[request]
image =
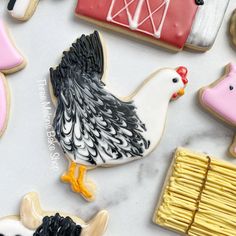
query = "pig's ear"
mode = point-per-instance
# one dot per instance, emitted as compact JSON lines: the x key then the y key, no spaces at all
{"x":31,"y":213}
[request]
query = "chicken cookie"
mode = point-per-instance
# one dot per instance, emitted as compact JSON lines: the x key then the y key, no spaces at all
{"x":198,"y":196}
{"x":11,"y":59}
{"x":94,"y":127}
{"x":22,"y":9}
{"x":34,"y":221}
{"x":220,"y":99}
{"x":169,"y":23}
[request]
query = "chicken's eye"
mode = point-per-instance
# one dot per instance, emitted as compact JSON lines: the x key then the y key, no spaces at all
{"x":231,"y":87}
{"x":175,"y":80}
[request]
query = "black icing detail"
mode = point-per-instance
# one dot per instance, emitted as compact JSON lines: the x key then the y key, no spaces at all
{"x":100,"y":127}
{"x":175,"y":80}
{"x":11,"y":5}
{"x":199,"y":2}
{"x":58,"y":226}
{"x":231,"y":87}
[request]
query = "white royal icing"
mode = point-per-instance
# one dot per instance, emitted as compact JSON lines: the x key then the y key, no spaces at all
{"x":11,"y":227}
{"x":152,"y":104}
{"x":20,"y":8}
{"x":207,"y":23}
{"x":134,"y":21}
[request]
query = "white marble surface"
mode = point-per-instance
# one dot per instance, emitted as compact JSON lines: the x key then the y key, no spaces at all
{"x":129,"y":192}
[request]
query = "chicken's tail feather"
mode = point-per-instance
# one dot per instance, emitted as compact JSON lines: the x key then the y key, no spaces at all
{"x":84,"y":57}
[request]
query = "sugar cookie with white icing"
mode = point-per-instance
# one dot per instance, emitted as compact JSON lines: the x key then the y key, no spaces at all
{"x":95,"y":127}
{"x":32,"y":220}
{"x":219,"y":98}
{"x":11,"y":60}
{"x":22,"y":9}
{"x":173,"y":24}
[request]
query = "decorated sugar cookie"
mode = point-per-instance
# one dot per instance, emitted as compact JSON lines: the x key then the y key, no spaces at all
{"x":11,"y":59}
{"x":169,"y":23}
{"x":4,"y":104}
{"x":94,"y":127}
{"x":198,"y":196}
{"x":34,"y":221}
{"x":220,"y":99}
{"x":233,"y":27}
{"x":22,"y":9}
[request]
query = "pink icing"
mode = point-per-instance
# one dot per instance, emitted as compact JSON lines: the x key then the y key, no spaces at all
{"x":9,"y":56}
{"x":3,"y":103}
{"x":222,"y":97}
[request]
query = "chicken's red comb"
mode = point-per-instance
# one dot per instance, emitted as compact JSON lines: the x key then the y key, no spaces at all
{"x":183,"y":71}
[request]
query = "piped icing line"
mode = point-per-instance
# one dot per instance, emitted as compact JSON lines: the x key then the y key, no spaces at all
{"x":10,"y":60}
{"x":134,"y":22}
{"x":198,"y":196}
{"x":160,"y":20}
{"x":4,"y":100}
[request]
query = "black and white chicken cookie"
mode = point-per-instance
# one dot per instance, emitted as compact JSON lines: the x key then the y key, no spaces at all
{"x":22,"y":9}
{"x":32,"y":220}
{"x":93,"y":126}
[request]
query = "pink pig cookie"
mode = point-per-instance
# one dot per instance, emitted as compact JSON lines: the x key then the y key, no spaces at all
{"x":220,"y":99}
{"x":10,"y":58}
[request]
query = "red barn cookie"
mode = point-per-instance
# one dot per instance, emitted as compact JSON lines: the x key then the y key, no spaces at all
{"x":170,"y":23}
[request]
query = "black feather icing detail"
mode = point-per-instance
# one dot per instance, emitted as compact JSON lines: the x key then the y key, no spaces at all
{"x":58,"y":226}
{"x":90,"y":123}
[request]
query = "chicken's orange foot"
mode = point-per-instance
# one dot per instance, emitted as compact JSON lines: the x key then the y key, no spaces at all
{"x":75,"y":176}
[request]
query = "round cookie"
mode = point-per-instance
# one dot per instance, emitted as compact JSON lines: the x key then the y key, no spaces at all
{"x":35,"y":221}
{"x":96,"y":128}
{"x":219,"y":98}
{"x":22,"y":9}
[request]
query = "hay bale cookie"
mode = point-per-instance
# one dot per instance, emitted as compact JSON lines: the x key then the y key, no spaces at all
{"x":94,"y":127}
{"x":198,"y":196}
{"x":22,"y":9}
{"x":32,"y":220}
{"x":170,"y":23}
{"x":219,"y":98}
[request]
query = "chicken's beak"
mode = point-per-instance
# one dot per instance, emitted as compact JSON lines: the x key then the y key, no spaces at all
{"x":181,"y":92}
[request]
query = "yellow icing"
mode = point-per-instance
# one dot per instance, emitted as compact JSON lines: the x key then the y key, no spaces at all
{"x":200,"y":196}
{"x":77,"y":183}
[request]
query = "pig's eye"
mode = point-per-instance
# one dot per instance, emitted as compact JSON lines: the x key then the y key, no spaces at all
{"x":231,"y":87}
